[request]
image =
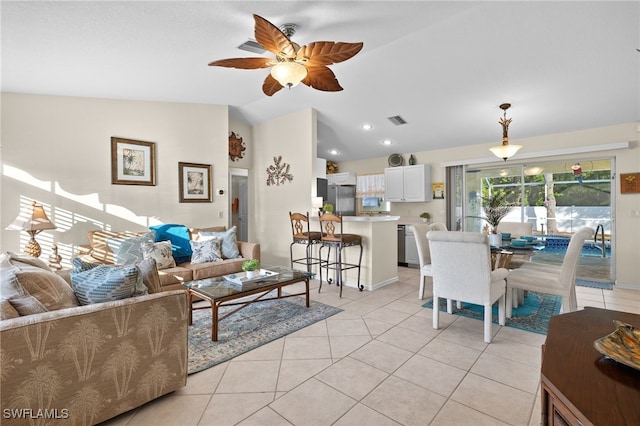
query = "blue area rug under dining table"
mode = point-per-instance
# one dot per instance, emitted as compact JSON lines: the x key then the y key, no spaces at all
{"x":533,"y":315}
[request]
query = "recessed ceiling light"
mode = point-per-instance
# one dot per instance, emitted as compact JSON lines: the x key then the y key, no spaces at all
{"x":367,"y":126}
{"x":387,"y":142}
{"x":334,"y":152}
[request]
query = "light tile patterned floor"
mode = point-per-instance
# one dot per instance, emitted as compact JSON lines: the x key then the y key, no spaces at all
{"x":379,"y":362}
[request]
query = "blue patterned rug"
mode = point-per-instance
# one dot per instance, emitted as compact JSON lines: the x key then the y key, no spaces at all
{"x":532,"y":316}
{"x":605,"y":285}
{"x":249,"y":328}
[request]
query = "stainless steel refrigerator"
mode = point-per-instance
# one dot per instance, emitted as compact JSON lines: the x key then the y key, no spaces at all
{"x":343,"y":198}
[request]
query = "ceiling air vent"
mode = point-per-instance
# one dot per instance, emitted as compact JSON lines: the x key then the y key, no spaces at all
{"x":252,"y":46}
{"x":397,"y":120}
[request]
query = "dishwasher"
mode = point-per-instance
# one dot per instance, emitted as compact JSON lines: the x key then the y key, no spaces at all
{"x":401,"y":249}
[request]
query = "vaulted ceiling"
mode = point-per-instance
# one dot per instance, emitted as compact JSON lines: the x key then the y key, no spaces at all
{"x":443,"y":66}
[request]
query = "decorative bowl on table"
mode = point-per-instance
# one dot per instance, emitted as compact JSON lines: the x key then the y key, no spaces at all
{"x":528,"y":238}
{"x":519,"y":242}
{"x":506,"y":235}
{"x":623,"y":345}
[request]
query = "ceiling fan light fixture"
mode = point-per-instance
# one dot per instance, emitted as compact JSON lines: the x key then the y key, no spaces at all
{"x":288,"y":74}
{"x":505,"y":150}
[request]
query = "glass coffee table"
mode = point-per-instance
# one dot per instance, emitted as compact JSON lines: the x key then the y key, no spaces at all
{"x":221,"y":291}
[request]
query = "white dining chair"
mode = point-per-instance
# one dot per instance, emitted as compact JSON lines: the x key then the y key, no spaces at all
{"x":516,"y":229}
{"x":461,"y":268}
{"x":550,"y":279}
{"x":420,"y":233}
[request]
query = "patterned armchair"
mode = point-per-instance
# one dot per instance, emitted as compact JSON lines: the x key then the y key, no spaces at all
{"x":86,"y":364}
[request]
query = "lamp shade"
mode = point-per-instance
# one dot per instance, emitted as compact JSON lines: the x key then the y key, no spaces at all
{"x":36,"y":221}
{"x":505,"y":151}
{"x":289,"y":74}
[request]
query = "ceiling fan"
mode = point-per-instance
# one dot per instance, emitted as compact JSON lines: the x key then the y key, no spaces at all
{"x":293,"y":64}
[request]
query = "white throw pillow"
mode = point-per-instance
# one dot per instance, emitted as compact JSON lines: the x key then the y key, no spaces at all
{"x":160,"y":252}
{"x":206,"y":251}
{"x":229,"y":243}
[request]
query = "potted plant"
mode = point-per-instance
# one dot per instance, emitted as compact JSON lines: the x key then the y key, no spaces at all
{"x":495,"y":208}
{"x":426,"y":216}
{"x":251,"y":267}
{"x":327,"y":208}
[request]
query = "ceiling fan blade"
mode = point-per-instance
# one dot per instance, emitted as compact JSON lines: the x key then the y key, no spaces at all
{"x":270,"y":85}
{"x":244,"y":63}
{"x":322,"y":78}
{"x":328,"y":52}
{"x":272,"y":39}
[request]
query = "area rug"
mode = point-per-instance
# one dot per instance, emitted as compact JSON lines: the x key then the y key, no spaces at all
{"x":604,"y":285}
{"x":249,"y":328}
{"x":532,"y":316}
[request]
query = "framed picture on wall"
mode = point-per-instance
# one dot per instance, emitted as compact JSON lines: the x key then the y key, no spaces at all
{"x":133,"y":162}
{"x":438,"y":190}
{"x":195,"y":183}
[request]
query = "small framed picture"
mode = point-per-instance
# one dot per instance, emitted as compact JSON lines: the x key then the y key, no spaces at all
{"x":133,"y":162}
{"x":438,"y":190}
{"x":195,"y":183}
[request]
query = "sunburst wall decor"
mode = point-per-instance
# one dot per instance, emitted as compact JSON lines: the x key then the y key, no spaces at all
{"x":278,"y":172}
{"x":236,"y":147}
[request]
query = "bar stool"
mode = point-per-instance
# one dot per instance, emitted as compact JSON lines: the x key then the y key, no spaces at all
{"x":338,"y":241}
{"x":302,"y":235}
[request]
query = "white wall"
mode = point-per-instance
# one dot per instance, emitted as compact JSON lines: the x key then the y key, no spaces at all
{"x":294,"y":138}
{"x":56,"y":150}
{"x":626,"y":161}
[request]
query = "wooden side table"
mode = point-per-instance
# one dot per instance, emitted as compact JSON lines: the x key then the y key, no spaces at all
{"x":579,"y":385}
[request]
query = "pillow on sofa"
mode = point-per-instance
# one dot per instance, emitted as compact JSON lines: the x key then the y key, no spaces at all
{"x":129,"y":250}
{"x":161,"y":252}
{"x":229,"y":243}
{"x":105,"y":283}
{"x":147,"y":268}
{"x":206,"y":251}
{"x":31,"y":287}
{"x":179,"y":236}
{"x":7,"y":311}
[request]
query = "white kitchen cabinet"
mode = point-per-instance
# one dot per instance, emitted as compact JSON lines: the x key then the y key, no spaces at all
{"x":408,"y":183}
{"x":344,"y":178}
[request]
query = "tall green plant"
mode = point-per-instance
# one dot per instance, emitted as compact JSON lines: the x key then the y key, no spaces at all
{"x":495,"y":208}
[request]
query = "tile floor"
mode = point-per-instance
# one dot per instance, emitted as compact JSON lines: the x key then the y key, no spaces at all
{"x":379,"y":362}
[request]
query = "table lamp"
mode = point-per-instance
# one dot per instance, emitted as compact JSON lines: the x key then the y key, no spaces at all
{"x":33,"y":223}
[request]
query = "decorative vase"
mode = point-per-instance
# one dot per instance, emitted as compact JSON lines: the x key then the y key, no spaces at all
{"x":425,"y":220}
{"x":495,"y":239}
{"x":252,"y":274}
{"x":412,"y":160}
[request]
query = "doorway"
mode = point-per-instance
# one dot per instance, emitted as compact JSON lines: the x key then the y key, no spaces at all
{"x":239,"y":202}
{"x":557,"y":198}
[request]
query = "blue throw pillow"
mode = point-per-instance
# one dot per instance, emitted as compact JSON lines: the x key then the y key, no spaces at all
{"x":180,"y":240}
{"x":106,"y":283}
{"x":129,"y":250}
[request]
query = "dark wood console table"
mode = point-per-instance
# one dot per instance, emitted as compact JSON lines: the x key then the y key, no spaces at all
{"x":579,"y":385}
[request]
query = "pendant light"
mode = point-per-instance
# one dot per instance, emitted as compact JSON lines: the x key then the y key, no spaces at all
{"x":505,"y":150}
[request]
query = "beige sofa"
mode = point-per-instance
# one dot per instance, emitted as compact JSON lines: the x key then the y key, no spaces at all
{"x":81,"y":365}
{"x":172,"y":278}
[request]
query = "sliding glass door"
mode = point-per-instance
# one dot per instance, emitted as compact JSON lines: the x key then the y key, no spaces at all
{"x":557,"y":198}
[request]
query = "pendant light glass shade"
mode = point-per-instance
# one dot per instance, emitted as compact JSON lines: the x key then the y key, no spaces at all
{"x":288,"y":74}
{"x":505,"y":151}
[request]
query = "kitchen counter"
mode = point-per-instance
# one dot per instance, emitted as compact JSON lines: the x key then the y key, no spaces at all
{"x":374,"y":218}
{"x":379,"y":256}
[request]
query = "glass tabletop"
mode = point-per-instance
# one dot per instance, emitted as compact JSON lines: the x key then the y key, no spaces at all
{"x":221,"y":287}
